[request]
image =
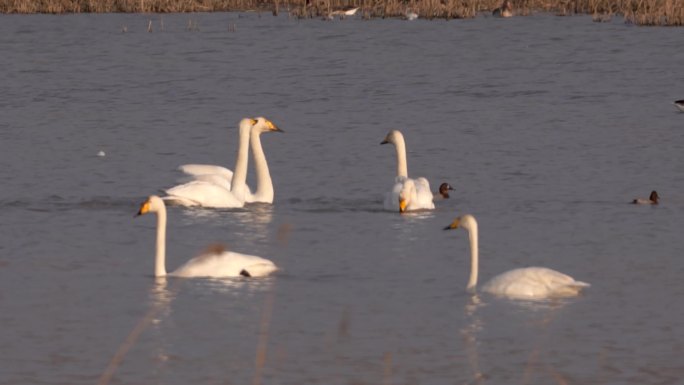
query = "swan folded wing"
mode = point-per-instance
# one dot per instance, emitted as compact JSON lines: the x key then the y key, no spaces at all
{"x":206,"y":169}
{"x":391,"y":202}
{"x":226,"y":264}
{"x":202,"y":193}
{"x":534,"y":282}
{"x":424,"y":196}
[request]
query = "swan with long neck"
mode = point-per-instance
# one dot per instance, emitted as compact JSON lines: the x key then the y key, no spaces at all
{"x":222,"y":176}
{"x":264,"y":192}
{"x":217,"y":264}
{"x":522,"y":283}
{"x":207,"y":193}
{"x":416,"y":195}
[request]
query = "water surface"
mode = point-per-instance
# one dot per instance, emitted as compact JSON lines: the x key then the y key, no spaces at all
{"x":546,"y":127}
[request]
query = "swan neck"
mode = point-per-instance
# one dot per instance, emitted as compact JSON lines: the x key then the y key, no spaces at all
{"x":400,"y":146}
{"x":264,"y":190}
{"x":472,"y":234}
{"x":239,"y":181}
{"x":160,"y":258}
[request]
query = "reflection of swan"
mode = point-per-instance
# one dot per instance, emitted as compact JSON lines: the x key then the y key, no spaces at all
{"x":653,"y":199}
{"x":218,"y":263}
{"x":523,"y":283}
{"x":209,"y":191}
{"x":416,"y":192}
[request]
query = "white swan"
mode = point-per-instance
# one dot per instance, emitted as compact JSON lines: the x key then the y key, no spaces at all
{"x":414,"y":193}
{"x":523,"y":283}
{"x":222,"y":176}
{"x":209,"y":191}
{"x":218,"y":263}
{"x":264,"y":192}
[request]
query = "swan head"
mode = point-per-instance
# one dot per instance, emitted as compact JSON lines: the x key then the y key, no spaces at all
{"x":262,"y":124}
{"x":392,"y":137}
{"x":152,"y":204}
{"x":444,"y":189}
{"x":466,"y":221}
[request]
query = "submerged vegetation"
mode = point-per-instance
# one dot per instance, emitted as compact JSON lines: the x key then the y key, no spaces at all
{"x":641,"y":12}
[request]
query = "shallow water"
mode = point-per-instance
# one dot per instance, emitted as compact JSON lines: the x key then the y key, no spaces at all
{"x":546,"y":127}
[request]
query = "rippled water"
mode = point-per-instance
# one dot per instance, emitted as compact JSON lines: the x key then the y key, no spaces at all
{"x":545,"y":126}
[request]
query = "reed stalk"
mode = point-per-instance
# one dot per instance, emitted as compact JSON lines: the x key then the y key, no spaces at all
{"x":641,"y":12}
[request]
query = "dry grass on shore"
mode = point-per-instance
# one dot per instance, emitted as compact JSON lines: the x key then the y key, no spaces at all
{"x":641,"y":12}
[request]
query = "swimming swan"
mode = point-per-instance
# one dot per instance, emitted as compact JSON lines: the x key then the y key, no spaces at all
{"x":213,"y":264}
{"x":222,"y":176}
{"x":264,"y":192}
{"x":523,"y":283}
{"x":206,"y":193}
{"x":653,"y":199}
{"x":416,"y":194}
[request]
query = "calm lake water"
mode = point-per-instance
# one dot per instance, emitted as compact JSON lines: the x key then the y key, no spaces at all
{"x":546,"y":127}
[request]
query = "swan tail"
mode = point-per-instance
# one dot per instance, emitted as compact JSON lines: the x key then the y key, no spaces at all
{"x":579,"y":284}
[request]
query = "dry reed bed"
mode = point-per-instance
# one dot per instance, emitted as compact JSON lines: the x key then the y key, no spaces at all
{"x":641,"y":12}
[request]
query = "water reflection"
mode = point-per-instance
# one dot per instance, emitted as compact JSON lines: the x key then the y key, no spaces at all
{"x":469,"y":335}
{"x":235,"y":287}
{"x":250,"y":223}
{"x":160,"y":296}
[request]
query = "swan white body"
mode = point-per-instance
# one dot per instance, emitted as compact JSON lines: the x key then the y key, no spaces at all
{"x":217,"y":264}
{"x":211,"y":188}
{"x":522,"y":283}
{"x":407,"y":194}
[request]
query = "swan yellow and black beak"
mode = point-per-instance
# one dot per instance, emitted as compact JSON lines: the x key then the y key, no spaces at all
{"x":454,"y":224}
{"x":144,"y":208}
{"x":272,"y":127}
{"x":402,"y":205}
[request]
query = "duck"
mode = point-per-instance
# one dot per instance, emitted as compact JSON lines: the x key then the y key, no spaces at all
{"x":506,"y":10}
{"x":679,"y":104}
{"x":653,"y":199}
{"x":443,"y":191}
{"x":527,"y":283}
{"x":215,"y":263}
